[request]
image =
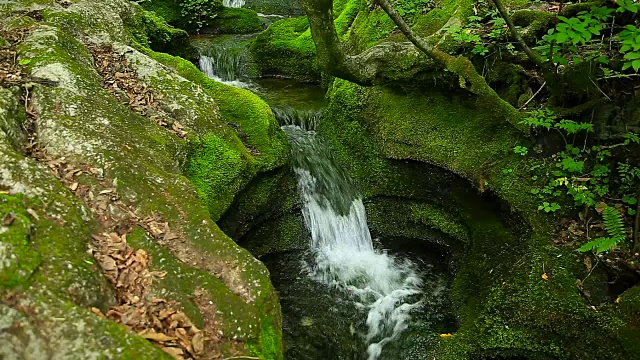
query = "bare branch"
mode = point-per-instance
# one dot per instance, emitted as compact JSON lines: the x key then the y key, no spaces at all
{"x":516,"y":35}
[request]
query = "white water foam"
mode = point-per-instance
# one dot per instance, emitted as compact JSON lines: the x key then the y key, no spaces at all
{"x":341,"y":242}
{"x":233,"y":3}
{"x":214,"y":67}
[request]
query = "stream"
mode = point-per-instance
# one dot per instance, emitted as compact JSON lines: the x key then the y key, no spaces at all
{"x":347,"y":296}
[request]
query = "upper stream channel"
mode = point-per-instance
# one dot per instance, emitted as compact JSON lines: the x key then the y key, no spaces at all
{"x":347,"y":295}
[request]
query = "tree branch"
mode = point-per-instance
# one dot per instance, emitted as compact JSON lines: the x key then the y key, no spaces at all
{"x":379,"y":64}
{"x":458,"y":65}
{"x":516,"y":35}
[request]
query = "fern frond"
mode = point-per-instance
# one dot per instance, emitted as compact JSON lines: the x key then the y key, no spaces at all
{"x":613,"y":222}
{"x":615,"y":228}
{"x":601,"y":244}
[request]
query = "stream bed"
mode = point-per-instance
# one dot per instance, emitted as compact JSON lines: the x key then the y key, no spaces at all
{"x":347,"y":295}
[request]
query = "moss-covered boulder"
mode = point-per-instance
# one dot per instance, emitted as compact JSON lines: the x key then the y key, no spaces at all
{"x":505,"y":305}
{"x":234,"y":21}
{"x":172,"y":147}
{"x":275,"y":7}
{"x":286,"y":49}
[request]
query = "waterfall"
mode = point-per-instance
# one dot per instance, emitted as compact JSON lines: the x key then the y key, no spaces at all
{"x":344,"y":257}
{"x":223,"y":63}
{"x":233,"y":3}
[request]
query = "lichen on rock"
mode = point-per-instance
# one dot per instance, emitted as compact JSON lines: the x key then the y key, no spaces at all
{"x":122,"y":151}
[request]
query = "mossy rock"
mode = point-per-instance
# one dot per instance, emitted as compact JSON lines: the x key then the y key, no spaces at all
{"x":275,"y":7}
{"x":503,"y":304}
{"x":48,"y":280}
{"x":145,"y":163}
{"x":271,"y":195}
{"x":234,"y":21}
{"x":286,"y":49}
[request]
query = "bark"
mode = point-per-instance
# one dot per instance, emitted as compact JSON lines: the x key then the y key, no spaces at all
{"x":374,"y":66}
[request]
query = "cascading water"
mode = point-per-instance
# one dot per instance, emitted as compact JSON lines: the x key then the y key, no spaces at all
{"x":341,"y":245}
{"x":223,"y":64}
{"x":233,"y":3}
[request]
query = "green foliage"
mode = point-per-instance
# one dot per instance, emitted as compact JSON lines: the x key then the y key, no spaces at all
{"x":561,"y":44}
{"x":546,"y":118}
{"x":584,"y":175}
{"x":630,"y":41}
{"x":521,"y":150}
{"x":199,"y":12}
{"x":540,"y":118}
{"x":549,"y":207}
{"x":628,"y":5}
{"x":410,"y":7}
{"x":615,"y":229}
{"x":484,"y":32}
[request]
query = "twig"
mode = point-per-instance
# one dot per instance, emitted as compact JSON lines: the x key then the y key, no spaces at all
{"x":598,"y":87}
{"x":592,"y":268}
{"x":636,"y":227}
{"x":512,"y":28}
{"x":534,"y":95}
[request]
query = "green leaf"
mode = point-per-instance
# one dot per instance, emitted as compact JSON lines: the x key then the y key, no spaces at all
{"x":24,"y":62}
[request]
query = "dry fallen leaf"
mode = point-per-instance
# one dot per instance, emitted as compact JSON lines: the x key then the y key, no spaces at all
{"x":175,"y":352}
{"x":9,"y":219}
{"x":153,"y":335}
{"x":444,"y":336}
{"x":74,"y":186}
{"x":618,"y":300}
{"x":545,"y":276}
{"x":198,"y":342}
{"x":33,"y":213}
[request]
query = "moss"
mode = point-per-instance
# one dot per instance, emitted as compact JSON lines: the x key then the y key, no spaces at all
{"x":534,"y":23}
{"x":234,"y":317}
{"x":241,"y":107}
{"x":152,"y":31}
{"x":235,"y":21}
{"x":270,"y":344}
{"x":286,"y":48}
{"x":218,"y":171}
{"x":278,"y":7}
{"x":20,"y":260}
{"x":182,"y":17}
{"x":503,"y":304}
{"x":414,"y":220}
{"x":281,"y":234}
{"x":271,"y":195}
{"x":167,"y":9}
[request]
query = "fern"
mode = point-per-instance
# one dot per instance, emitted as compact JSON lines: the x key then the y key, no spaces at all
{"x":615,"y":229}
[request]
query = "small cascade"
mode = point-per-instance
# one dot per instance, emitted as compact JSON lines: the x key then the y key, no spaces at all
{"x":224,"y":62}
{"x":383,"y":287}
{"x":233,"y":3}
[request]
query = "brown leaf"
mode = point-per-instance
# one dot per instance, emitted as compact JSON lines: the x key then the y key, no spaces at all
{"x":587,"y":263}
{"x":34,"y":214}
{"x":9,"y":218}
{"x":153,"y":335}
{"x":97,"y":311}
{"x":175,"y":352}
{"x":198,"y":342}
{"x":74,"y":186}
